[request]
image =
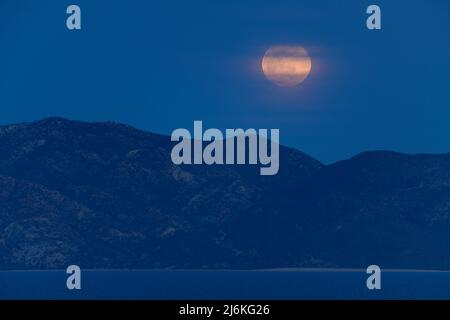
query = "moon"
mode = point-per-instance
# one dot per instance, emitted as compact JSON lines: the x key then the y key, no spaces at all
{"x":286,"y":66}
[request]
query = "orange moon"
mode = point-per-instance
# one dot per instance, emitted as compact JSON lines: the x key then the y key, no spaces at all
{"x":286,"y":66}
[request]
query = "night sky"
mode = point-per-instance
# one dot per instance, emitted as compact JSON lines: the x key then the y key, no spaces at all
{"x":160,"y":65}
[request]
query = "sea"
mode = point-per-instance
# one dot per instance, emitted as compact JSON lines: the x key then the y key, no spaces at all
{"x":287,"y":284}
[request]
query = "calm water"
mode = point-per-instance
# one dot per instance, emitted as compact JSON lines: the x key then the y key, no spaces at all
{"x":224,"y":285}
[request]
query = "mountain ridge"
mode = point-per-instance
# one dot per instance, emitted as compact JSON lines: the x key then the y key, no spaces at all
{"x":58,"y":119}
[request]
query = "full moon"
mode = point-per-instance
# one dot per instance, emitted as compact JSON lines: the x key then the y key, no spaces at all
{"x":286,"y":66}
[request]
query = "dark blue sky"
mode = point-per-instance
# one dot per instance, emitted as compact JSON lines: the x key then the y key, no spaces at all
{"x":160,"y":65}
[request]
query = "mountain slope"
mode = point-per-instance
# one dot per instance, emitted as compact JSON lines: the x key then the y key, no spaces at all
{"x":105,"y":195}
{"x":386,"y":208}
{"x":146,"y":211}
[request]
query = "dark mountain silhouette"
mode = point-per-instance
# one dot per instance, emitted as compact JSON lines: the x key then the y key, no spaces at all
{"x":105,"y":195}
